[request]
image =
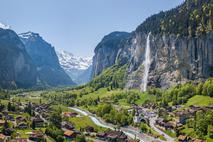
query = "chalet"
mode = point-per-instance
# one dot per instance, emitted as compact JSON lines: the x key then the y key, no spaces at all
{"x":183,"y":116}
{"x":9,"y":117}
{"x":69,"y":134}
{"x":9,"y":131}
{"x":69,"y":114}
{"x":67,"y":125}
{"x":89,"y":129}
{"x":20,"y":119}
{"x":38,"y":122}
{"x":36,"y":136}
{"x":117,"y":136}
{"x":22,"y":126}
{"x":101,"y":136}
{"x":169,"y":125}
{"x":2,"y":122}
{"x":2,"y":138}
{"x":166,"y":125}
{"x":182,"y":138}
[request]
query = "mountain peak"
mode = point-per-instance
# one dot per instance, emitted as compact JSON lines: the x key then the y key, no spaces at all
{"x":28,"y":35}
{"x":4,"y":26}
{"x":69,"y":61}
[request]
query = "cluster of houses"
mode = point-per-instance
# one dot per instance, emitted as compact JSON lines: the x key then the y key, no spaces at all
{"x":12,"y":121}
{"x":111,"y":136}
{"x":180,"y":116}
{"x":179,"y":119}
{"x":19,"y":122}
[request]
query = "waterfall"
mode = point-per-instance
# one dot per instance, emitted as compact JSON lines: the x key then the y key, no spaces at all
{"x":147,"y":63}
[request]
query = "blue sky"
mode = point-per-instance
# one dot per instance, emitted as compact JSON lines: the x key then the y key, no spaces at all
{"x":78,"y":25}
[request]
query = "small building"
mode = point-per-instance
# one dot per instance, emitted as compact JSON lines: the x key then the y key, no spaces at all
{"x":9,"y":131}
{"x":36,"y":136}
{"x":69,"y":114}
{"x":67,"y":125}
{"x":117,"y":136}
{"x":2,"y":122}
{"x":89,"y":129}
{"x":69,"y":134}
{"x":22,"y":126}
{"x":9,"y":117}
{"x":2,"y":137}
{"x":38,"y":122}
{"x":182,"y":138}
{"x":20,"y":119}
{"x":101,"y":136}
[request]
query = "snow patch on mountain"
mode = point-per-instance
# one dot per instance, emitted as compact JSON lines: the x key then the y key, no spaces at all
{"x":78,"y":68}
{"x":3,"y":26}
{"x":69,"y":61}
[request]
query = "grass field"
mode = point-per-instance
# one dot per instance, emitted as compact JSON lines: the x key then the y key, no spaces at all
{"x":200,"y":101}
{"x":144,"y":97}
{"x":84,"y":121}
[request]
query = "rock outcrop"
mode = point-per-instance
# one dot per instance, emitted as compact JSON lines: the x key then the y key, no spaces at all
{"x":106,"y":51}
{"x":16,"y":67}
{"x":173,"y":59}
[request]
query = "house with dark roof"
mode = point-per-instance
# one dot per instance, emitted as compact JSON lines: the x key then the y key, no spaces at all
{"x":101,"y":136}
{"x":67,"y":125}
{"x":36,"y":136}
{"x":38,"y":122}
{"x":116,"y":136}
{"x":22,"y":125}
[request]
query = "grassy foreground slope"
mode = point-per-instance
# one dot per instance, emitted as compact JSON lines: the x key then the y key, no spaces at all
{"x":200,"y":101}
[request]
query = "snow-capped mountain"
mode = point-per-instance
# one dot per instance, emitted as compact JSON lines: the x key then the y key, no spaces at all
{"x":3,"y":26}
{"x":78,"y":68}
{"x":69,"y":61}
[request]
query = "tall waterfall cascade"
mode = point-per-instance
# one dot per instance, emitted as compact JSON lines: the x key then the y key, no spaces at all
{"x":146,"y":63}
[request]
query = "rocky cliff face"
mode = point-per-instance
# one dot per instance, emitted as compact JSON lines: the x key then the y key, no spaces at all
{"x":16,"y":67}
{"x":181,"y":48}
{"x":173,"y":59}
{"x":107,"y":50}
{"x":44,"y":57}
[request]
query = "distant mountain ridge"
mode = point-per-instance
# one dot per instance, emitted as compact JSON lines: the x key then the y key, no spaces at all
{"x":78,"y":68}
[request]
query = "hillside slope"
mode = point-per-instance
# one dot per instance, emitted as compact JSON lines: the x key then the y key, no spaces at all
{"x":16,"y":67}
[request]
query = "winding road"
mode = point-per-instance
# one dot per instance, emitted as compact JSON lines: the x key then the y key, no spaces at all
{"x":129,"y":131}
